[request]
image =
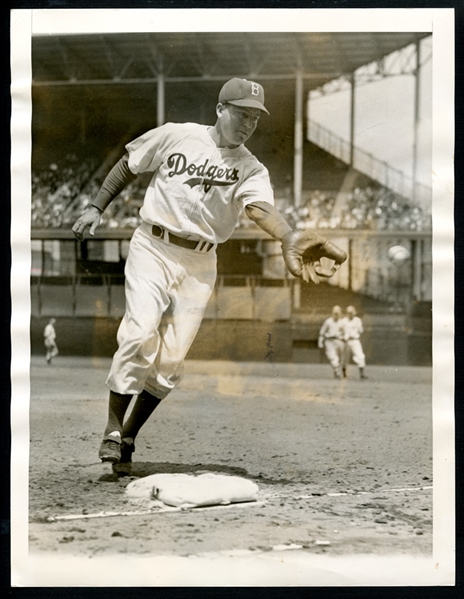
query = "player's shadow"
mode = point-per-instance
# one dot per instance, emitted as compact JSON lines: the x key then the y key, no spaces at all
{"x":142,"y":469}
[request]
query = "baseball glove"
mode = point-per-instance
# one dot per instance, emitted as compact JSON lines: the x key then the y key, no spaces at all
{"x":302,"y":252}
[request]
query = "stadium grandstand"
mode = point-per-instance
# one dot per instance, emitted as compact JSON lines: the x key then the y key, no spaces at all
{"x":94,"y":93}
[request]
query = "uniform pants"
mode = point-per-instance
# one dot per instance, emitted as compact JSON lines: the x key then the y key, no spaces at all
{"x":334,"y":350}
{"x":354,"y":349}
{"x":51,"y":349}
{"x":167,"y":289}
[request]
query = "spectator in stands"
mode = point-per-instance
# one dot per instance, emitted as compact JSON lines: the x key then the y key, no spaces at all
{"x":57,"y":188}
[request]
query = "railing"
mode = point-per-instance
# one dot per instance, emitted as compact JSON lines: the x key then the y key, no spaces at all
{"x":367,"y":272}
{"x":366,"y":163}
{"x":68,"y":287}
{"x":234,"y":297}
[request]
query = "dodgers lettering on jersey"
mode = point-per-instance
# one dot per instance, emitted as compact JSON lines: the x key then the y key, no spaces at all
{"x":206,"y":175}
{"x":197,"y":189}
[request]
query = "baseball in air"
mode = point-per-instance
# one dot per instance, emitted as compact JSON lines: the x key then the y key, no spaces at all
{"x":398,"y":255}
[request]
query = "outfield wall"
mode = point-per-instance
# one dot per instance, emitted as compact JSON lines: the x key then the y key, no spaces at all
{"x":387,"y":339}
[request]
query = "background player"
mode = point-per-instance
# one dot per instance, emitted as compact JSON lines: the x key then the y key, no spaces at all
{"x":353,"y":327}
{"x":331,"y":339}
{"x":202,"y":179}
{"x":50,"y":341}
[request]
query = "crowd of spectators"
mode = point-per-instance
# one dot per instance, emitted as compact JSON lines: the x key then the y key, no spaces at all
{"x":60,"y":190}
{"x":367,"y":208}
{"x":60,"y":193}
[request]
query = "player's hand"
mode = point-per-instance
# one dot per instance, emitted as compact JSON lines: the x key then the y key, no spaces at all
{"x":90,"y":218}
{"x":302,"y":252}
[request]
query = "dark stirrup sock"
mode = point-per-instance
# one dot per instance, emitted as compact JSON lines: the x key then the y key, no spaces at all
{"x":142,"y":410}
{"x":117,"y":408}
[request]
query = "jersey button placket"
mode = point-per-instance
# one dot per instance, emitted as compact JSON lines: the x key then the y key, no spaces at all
{"x":201,"y":187}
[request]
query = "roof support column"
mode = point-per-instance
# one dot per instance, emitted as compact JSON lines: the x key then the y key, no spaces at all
{"x":352,"y":116}
{"x":298,"y":143}
{"x":160,"y":93}
{"x":417,"y":82}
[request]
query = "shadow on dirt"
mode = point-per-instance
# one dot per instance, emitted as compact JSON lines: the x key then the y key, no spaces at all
{"x":142,"y":469}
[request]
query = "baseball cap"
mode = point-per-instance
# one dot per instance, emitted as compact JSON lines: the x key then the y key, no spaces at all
{"x":242,"y":92}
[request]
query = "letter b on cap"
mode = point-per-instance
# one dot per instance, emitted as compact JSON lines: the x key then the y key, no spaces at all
{"x":254,"y":89}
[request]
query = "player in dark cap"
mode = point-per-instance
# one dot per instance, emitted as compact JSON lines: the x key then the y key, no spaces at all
{"x":203,"y":177}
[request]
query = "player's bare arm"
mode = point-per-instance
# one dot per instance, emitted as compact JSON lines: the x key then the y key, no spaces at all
{"x":302,"y":250}
{"x":116,"y":180}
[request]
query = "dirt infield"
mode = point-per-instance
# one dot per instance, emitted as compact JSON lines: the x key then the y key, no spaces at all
{"x":344,"y":468}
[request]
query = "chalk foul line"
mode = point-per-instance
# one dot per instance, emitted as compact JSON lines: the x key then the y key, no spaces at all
{"x":349,"y":493}
{"x":169,"y":509}
{"x":153,"y":511}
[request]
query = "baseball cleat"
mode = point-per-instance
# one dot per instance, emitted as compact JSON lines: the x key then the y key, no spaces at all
{"x":127,"y":449}
{"x":124,"y":466}
{"x":110,"y":451}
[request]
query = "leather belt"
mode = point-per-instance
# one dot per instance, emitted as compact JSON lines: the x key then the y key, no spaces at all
{"x":190,"y":244}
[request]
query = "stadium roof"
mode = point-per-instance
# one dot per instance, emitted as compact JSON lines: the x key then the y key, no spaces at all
{"x":141,"y":57}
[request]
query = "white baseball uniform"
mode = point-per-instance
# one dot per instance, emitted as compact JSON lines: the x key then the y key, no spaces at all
{"x":331,"y":336}
{"x":353,"y":328}
{"x":50,"y":342}
{"x":197,"y":192}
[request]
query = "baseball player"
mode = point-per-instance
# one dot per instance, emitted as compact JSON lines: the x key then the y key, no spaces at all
{"x":50,"y":341}
{"x":331,"y":339}
{"x":203,"y":177}
{"x":353,"y":327}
